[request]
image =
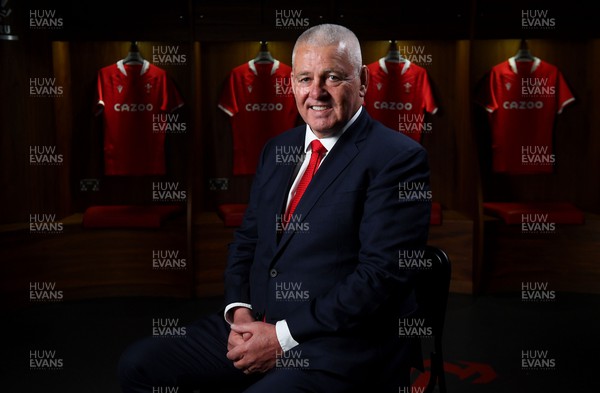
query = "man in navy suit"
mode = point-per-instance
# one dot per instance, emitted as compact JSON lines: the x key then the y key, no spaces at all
{"x":314,"y":293}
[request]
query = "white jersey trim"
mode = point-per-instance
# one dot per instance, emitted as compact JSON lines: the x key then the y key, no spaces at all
{"x":407,"y":64}
{"x":273,"y":69}
{"x":567,"y":102}
{"x":513,"y":64}
{"x":225,"y":110}
{"x":144,"y":69}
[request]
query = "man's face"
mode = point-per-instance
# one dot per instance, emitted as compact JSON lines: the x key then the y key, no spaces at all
{"x":327,"y":89}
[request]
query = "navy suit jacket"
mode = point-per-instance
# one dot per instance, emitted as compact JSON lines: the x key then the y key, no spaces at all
{"x":334,"y":274}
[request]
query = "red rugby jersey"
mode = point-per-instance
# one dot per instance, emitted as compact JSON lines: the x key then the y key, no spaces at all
{"x":258,"y":98}
{"x":133,"y":99}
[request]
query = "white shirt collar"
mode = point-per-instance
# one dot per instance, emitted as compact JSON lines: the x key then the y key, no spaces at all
{"x":329,"y":141}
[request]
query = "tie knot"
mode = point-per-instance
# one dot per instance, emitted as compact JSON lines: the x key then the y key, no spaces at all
{"x":317,"y":147}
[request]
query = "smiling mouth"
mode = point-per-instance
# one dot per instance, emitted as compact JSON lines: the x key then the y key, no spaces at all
{"x":319,"y":107}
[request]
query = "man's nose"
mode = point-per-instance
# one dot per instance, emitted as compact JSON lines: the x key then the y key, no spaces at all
{"x":318,"y":90}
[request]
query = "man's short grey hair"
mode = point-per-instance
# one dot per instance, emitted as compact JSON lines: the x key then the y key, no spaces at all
{"x":330,"y":34}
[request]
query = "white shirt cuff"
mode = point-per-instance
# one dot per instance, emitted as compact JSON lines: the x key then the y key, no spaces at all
{"x":230,"y":307}
{"x":284,"y":336}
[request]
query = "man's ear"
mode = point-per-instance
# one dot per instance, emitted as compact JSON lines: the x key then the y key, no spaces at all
{"x":364,"y":80}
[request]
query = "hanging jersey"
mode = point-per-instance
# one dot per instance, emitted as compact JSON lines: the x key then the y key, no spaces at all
{"x":523,"y":99}
{"x":259,"y":100}
{"x":399,"y":95}
{"x":134,"y":100}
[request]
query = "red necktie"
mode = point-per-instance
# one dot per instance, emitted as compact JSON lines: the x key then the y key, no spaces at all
{"x":318,"y":151}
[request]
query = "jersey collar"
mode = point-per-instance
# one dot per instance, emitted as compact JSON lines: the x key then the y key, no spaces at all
{"x":384,"y":66}
{"x":513,"y":64}
{"x":273,"y":69}
{"x":121,"y":67}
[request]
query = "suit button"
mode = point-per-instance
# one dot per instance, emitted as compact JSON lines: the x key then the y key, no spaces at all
{"x":273,"y":273}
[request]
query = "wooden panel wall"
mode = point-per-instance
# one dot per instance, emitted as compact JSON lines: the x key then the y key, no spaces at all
{"x":465,"y":38}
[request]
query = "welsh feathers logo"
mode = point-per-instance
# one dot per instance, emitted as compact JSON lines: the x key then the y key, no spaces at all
{"x":148,"y":87}
{"x":379,"y":86}
{"x":249,"y":88}
{"x":508,"y":85}
{"x":407,"y":87}
{"x":4,"y":10}
{"x":120,"y":88}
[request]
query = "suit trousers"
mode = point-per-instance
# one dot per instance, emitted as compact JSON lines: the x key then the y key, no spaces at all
{"x":197,"y":362}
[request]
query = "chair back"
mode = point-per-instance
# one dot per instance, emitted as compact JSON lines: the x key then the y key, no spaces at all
{"x":431,"y":290}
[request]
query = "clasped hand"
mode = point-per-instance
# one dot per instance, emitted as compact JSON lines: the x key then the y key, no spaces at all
{"x":253,"y":346}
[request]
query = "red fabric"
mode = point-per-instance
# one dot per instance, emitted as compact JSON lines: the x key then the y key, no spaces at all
{"x":436,"y":214}
{"x":232,"y":214}
{"x":135,"y":102}
{"x":318,"y":150}
{"x":126,"y":216}
{"x":399,"y":94}
{"x":259,"y":100}
{"x":512,"y":212}
{"x":523,"y":100}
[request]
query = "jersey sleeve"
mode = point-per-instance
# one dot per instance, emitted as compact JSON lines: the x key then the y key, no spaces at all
{"x":429,"y":103}
{"x":171,"y":97}
{"x":227,"y":101}
{"x":485,"y":95}
{"x":563,"y":95}
{"x":99,"y":104}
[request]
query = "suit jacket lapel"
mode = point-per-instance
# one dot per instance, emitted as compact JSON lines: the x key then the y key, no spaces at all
{"x":283,"y":184}
{"x":340,"y":156}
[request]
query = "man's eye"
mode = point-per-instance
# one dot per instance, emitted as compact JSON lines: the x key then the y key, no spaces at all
{"x":333,"y":78}
{"x":304,"y":80}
